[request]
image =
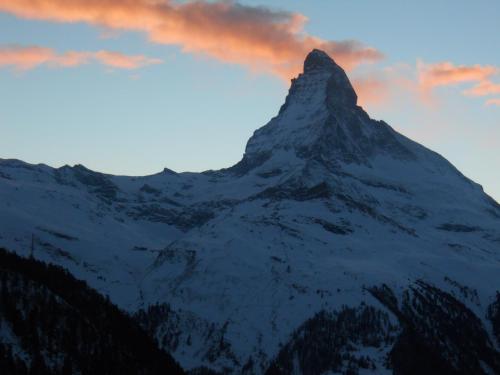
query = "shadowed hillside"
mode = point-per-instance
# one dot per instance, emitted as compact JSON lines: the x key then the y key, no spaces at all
{"x":52,"y":323}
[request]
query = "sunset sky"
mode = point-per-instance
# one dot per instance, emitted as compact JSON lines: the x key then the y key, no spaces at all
{"x":133,"y":86}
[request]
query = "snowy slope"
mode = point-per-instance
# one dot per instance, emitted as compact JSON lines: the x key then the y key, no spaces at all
{"x":325,"y":203}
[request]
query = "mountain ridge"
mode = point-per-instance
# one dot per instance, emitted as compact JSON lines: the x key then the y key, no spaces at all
{"x":325,"y":204}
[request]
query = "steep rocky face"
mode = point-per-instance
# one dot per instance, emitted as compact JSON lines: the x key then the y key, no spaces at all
{"x":324,"y":204}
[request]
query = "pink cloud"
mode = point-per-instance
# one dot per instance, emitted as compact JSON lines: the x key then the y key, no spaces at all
{"x":378,"y":87}
{"x":261,"y":39}
{"x":121,"y":61}
{"x":372,"y":90}
{"x":30,"y":57}
{"x":445,"y":73}
{"x":483,"y":88}
{"x":25,"y":58}
{"x":495,"y":101}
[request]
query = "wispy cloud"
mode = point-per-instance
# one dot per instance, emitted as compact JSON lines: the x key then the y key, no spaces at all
{"x":30,"y":57}
{"x":121,"y":61}
{"x":256,"y":37}
{"x":495,"y":101}
{"x":372,"y":89}
{"x":259,"y":38}
{"x":448,"y":74}
{"x":380,"y":87}
{"x":484,"y":88}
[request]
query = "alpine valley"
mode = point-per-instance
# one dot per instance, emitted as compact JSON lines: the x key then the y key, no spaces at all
{"x":335,"y":246}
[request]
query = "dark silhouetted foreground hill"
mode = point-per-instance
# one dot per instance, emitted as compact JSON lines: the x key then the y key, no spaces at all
{"x":52,"y":323}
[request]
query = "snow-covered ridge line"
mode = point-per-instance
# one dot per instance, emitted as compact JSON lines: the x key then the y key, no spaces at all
{"x":325,"y":203}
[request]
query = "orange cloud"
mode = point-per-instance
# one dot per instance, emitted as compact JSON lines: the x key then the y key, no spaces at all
{"x":379,"y":87}
{"x":445,"y":73}
{"x":495,"y":101}
{"x":25,"y":58}
{"x":121,"y":61}
{"x":483,"y":89}
{"x":371,"y":90}
{"x":256,"y":37}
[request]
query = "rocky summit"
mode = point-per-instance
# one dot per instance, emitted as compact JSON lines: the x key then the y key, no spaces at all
{"x":335,"y":246}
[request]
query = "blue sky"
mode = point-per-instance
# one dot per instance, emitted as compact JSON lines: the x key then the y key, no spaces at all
{"x":195,"y":110}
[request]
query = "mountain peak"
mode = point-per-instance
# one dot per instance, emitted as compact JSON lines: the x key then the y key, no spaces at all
{"x":337,"y":86}
{"x":320,"y":120}
{"x":318,"y":59}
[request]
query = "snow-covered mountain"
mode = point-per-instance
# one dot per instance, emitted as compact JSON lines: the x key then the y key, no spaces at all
{"x":330,"y":217}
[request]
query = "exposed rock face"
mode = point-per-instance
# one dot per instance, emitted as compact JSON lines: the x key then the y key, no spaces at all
{"x":321,"y":121}
{"x":325,"y":203}
{"x":339,"y":92}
